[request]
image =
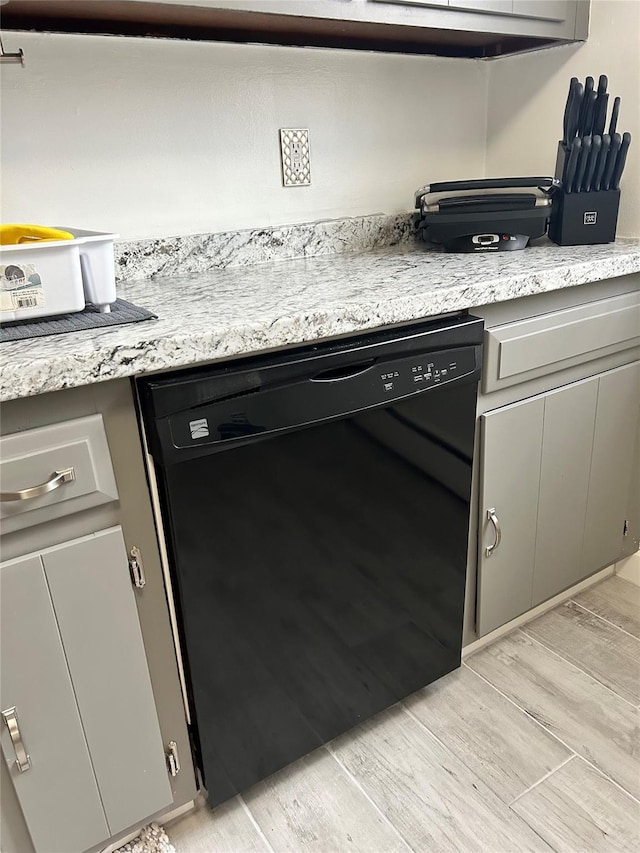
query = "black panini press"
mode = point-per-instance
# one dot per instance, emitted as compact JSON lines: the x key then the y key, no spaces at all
{"x":471,"y":216}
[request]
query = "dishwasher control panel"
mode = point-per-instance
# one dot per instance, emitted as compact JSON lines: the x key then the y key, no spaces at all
{"x":426,"y":370}
{"x":337,"y":392}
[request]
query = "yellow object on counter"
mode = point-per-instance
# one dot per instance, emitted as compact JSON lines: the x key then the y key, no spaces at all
{"x":12,"y":235}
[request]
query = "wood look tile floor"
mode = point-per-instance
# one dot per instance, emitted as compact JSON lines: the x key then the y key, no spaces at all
{"x":532,"y":745}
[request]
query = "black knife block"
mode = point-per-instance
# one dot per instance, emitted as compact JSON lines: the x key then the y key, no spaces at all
{"x":580,"y":219}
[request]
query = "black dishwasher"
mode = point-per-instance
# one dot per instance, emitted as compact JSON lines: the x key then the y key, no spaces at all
{"x":315,"y":503}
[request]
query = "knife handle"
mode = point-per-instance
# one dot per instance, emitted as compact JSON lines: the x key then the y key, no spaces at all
{"x":614,"y":116}
{"x":596,"y":144}
{"x":616,"y":141}
{"x":600,"y":118}
{"x":571,"y":163}
{"x":572,"y":111}
{"x":589,"y":113}
{"x":582,"y":163}
{"x":602,"y":161}
{"x":588,"y":88}
{"x":620,"y":161}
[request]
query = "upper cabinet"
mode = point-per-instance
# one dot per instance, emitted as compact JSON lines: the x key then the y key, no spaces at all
{"x":469,"y":28}
{"x":551,"y":20}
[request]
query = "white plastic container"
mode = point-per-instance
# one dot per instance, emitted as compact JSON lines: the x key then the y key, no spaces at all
{"x":98,"y":266}
{"x":57,"y":276}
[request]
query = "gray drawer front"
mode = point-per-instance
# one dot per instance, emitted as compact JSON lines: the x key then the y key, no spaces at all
{"x":517,"y":352}
{"x":31,"y":457}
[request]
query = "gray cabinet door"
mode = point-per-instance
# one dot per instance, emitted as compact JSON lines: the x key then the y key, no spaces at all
{"x":58,"y":794}
{"x":562,"y":19}
{"x":562,"y":472}
{"x":502,"y":7}
{"x":545,"y":10}
{"x":569,"y":417}
{"x":95,"y":607}
{"x":511,"y":449}
{"x":612,"y":466}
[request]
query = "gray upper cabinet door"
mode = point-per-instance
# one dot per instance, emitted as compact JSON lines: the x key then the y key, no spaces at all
{"x":511,"y":449}
{"x":561,"y":19}
{"x":611,"y":466}
{"x":569,"y":417}
{"x":545,"y":10}
{"x":95,"y":607}
{"x":503,"y":7}
{"x":58,"y":793}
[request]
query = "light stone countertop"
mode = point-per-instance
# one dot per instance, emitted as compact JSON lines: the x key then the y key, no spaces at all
{"x":239,"y":310}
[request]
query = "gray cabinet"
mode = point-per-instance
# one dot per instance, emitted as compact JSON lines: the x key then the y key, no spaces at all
{"x":562,"y":19}
{"x":544,"y":10}
{"x":558,"y":471}
{"x":476,"y":28}
{"x":510,"y":480}
{"x":74,"y":667}
{"x":567,"y":440}
{"x":549,"y":10}
{"x":58,"y":793}
{"x":33,"y":457}
{"x":614,"y":484}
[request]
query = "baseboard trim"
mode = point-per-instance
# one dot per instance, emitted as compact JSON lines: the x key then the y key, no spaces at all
{"x":476,"y":645}
{"x":629,"y":569}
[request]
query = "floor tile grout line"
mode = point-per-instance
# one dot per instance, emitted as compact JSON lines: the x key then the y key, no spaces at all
{"x":606,"y":776}
{"x":544,"y":778}
{"x":553,"y":734}
{"x":524,"y":710}
{"x":441,"y":743}
{"x":604,"y":619}
{"x":328,"y":748}
{"x":438,"y":740}
{"x":577,"y":666}
{"x":407,"y":710}
{"x":255,"y":823}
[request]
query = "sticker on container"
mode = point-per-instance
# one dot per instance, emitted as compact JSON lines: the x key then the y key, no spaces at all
{"x":20,"y":287}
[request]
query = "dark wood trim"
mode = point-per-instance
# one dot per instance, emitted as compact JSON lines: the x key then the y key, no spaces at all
{"x":163,"y":20}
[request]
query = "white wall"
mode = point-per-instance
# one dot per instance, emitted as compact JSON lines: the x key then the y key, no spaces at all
{"x":527,"y":95}
{"x":158,"y":137}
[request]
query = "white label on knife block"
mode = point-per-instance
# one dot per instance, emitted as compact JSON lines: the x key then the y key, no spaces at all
{"x":590,"y":217}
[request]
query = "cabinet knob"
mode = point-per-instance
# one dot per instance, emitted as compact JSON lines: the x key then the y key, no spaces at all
{"x":10,"y":717}
{"x":493,"y":518}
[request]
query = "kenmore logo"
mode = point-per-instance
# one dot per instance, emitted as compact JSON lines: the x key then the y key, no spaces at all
{"x":199,"y":428}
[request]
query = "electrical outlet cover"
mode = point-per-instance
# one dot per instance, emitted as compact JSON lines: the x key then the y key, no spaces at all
{"x":294,"y":150}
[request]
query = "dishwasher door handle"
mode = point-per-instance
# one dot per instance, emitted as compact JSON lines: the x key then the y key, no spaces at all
{"x":349,"y":371}
{"x":493,"y":518}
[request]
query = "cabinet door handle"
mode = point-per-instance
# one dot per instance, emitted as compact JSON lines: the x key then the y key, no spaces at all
{"x":66,"y":475}
{"x":10,"y":716}
{"x":493,"y":518}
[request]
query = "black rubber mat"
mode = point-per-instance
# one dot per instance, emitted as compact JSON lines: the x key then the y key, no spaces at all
{"x":91,"y":318}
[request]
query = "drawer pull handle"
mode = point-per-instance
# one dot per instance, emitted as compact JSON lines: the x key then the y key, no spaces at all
{"x":10,"y":717}
{"x":66,"y":475}
{"x":493,"y":518}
